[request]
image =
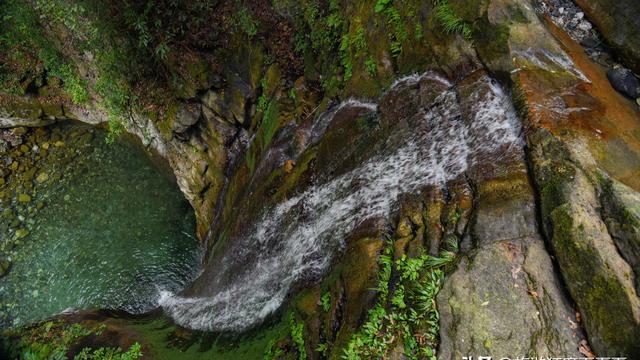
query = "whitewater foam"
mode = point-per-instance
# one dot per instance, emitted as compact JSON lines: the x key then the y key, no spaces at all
{"x":298,"y":238}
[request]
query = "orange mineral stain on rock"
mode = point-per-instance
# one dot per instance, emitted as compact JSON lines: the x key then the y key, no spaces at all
{"x":288,"y":166}
{"x":592,"y":111}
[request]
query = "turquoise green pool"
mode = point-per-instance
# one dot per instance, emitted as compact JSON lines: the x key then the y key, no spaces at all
{"x":103,"y":228}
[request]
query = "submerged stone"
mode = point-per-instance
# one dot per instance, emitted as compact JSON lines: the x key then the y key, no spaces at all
{"x":116,"y":233}
{"x":42,"y":177}
{"x":21,"y":233}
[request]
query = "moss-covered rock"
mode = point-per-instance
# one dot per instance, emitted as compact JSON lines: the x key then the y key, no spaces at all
{"x":619,"y":24}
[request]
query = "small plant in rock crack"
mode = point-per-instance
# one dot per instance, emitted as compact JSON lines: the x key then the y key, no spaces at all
{"x":450,"y":21}
{"x":406,"y":309}
{"x":322,"y":348}
{"x":296,"y":330}
{"x":325,"y":301}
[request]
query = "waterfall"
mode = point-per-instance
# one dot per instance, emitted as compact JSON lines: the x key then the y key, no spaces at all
{"x":298,"y":238}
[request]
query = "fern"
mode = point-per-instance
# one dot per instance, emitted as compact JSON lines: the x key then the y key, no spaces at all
{"x":450,"y":21}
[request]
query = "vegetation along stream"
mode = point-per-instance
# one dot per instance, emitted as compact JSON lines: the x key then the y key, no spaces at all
{"x":319,"y":179}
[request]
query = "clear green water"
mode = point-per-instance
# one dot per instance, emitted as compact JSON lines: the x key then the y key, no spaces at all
{"x":111,"y":235}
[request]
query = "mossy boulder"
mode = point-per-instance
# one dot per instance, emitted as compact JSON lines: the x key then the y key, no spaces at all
{"x":597,"y":276}
{"x":518,"y":306}
{"x":619,"y":23}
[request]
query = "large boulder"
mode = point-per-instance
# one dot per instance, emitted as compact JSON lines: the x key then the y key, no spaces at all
{"x":505,"y":298}
{"x":599,"y":279}
{"x":619,"y":22}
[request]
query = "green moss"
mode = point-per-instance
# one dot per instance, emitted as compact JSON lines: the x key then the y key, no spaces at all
{"x":492,"y":43}
{"x":591,"y":284}
{"x":519,"y":99}
{"x":53,"y":339}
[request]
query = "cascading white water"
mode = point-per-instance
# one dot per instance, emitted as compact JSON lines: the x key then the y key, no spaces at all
{"x":297,"y":238}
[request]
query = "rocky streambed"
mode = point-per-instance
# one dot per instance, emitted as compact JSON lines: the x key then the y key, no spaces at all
{"x":87,"y":224}
{"x":415,"y":180}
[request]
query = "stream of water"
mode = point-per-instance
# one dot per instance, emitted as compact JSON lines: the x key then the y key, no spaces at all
{"x":298,"y":238}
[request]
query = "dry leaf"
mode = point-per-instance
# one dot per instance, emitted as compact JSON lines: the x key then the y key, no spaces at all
{"x":585,"y":349}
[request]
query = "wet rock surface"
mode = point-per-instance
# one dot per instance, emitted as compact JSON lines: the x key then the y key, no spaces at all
{"x":548,"y":239}
{"x":567,"y":168}
{"x":619,"y":24}
{"x":625,"y":82}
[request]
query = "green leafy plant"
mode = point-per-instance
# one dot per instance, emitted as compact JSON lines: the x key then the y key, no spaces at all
{"x":371,"y":66}
{"x":322,"y":348}
{"x":325,"y":301}
{"x":412,"y":314}
{"x":273,"y":351}
{"x":108,"y":353}
{"x":26,"y":53}
{"x":345,"y":56}
{"x":296,"y":331}
{"x":381,"y":5}
{"x":450,"y":21}
{"x":245,"y":22}
{"x":52,"y":340}
{"x":398,"y":33}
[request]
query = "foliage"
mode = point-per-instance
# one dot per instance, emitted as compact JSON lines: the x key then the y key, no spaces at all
{"x":405,"y":309}
{"x":158,"y":27}
{"x":371,"y":66}
{"x":450,"y":21}
{"x":22,"y":42}
{"x":263,"y":101}
{"x":359,"y":42}
{"x":52,"y":340}
{"x":322,"y":348}
{"x":116,"y":128}
{"x":94,"y":35}
{"x":297,"y":336}
{"x":243,"y":20}
{"x":321,"y":33}
{"x":266,"y":131}
{"x":107,"y":353}
{"x":398,"y":33}
{"x":345,"y":57}
{"x":325,"y":301}
{"x":273,"y":351}
{"x":381,"y":5}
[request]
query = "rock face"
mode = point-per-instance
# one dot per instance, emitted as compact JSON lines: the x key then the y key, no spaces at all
{"x":541,"y":229}
{"x":620,"y":25}
{"x":571,"y":172}
{"x":505,"y":297}
{"x":580,"y":237}
{"x":16,"y":111}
